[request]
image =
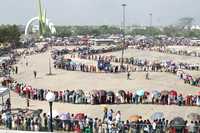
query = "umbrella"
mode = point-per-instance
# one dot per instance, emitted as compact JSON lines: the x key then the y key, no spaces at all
{"x":157,"y":116}
{"x":72,"y":63}
{"x":27,"y":88}
{"x":95,"y":92}
{"x":193,"y":117}
{"x":155,"y":94}
{"x":110,"y":93}
{"x":177,"y":122}
{"x":54,"y":114}
{"x":71,"y":92}
{"x":80,"y":92}
{"x":79,"y":116}
{"x":134,"y":118}
{"x":146,"y":93}
{"x":20,"y":83}
{"x":164,"y":92}
{"x":102,"y":93}
{"x":140,"y":92}
{"x":69,"y":60}
{"x":173,"y":93}
{"x":37,"y":112}
{"x":64,"y":116}
{"x":122,"y":92}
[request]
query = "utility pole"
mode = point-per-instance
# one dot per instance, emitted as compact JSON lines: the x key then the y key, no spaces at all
{"x":123,"y":31}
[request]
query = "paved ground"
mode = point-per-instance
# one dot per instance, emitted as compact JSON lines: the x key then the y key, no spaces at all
{"x":152,"y":55}
{"x":89,"y":81}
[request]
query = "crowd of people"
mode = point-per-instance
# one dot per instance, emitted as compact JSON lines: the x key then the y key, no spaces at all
{"x":169,"y":50}
{"x":7,"y":61}
{"x":108,"y":97}
{"x":86,"y":50}
{"x":144,"y":64}
{"x":22,"y":120}
{"x":111,"y":64}
{"x":111,"y":122}
{"x":143,"y":41}
{"x":102,"y":66}
{"x":147,"y":64}
{"x":135,"y":64}
{"x":6,"y":65}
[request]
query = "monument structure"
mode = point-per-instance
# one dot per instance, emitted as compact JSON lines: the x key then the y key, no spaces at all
{"x":43,"y":22}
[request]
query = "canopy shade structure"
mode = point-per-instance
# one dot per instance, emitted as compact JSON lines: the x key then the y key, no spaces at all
{"x":4,"y":91}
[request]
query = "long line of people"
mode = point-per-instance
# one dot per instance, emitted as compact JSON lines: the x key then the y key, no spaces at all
{"x":143,"y":41}
{"x":102,"y":66}
{"x":111,"y":122}
{"x":108,"y":97}
{"x":136,"y":64}
{"x":169,"y":50}
{"x":85,"y":50}
{"x":141,"y":62}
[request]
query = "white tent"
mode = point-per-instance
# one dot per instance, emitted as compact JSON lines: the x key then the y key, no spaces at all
{"x":4,"y":91}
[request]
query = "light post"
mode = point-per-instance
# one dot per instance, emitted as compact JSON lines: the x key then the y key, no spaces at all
{"x":123,"y":31}
{"x":50,"y":97}
{"x":50,"y":72}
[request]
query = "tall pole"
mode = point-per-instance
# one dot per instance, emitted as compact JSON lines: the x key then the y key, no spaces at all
{"x":123,"y":31}
{"x":51,"y":119}
{"x":50,"y":73}
{"x":150,"y":24}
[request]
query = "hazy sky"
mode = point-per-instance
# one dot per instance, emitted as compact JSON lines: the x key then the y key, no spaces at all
{"x":99,"y":12}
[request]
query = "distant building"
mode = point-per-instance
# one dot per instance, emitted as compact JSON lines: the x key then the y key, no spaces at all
{"x":115,"y":38}
{"x":103,"y":41}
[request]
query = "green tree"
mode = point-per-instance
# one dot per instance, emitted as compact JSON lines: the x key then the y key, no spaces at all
{"x":64,"y":31}
{"x":170,"y":31}
{"x":185,"y":22}
{"x":10,"y":34}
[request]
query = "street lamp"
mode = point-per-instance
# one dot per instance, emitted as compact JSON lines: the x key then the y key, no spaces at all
{"x":123,"y":31}
{"x":50,"y":73}
{"x":50,"y":97}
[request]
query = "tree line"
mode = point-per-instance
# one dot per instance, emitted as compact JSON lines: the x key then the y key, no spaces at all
{"x":171,"y":31}
{"x":10,"y":34}
{"x":66,"y":31}
{"x":180,"y":29}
